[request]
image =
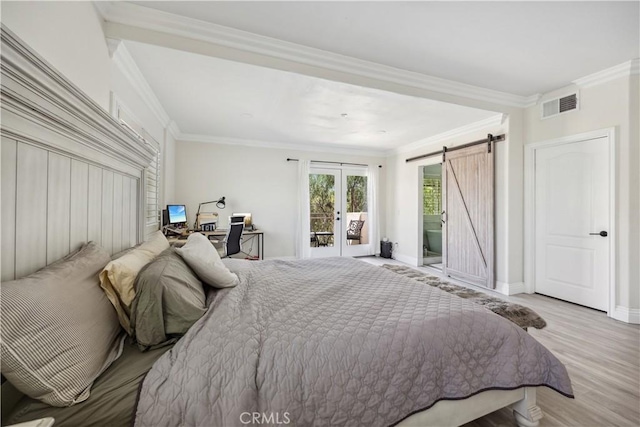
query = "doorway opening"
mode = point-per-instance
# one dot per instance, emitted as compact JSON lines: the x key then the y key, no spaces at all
{"x":431,"y":215}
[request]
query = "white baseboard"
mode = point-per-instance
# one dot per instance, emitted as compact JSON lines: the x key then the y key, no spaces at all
{"x":412,"y":261}
{"x":510,"y":288}
{"x":626,"y":314}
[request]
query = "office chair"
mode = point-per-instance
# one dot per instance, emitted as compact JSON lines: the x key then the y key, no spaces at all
{"x":233,"y":239}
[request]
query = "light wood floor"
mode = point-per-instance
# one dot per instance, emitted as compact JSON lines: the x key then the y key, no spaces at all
{"x":602,"y":356}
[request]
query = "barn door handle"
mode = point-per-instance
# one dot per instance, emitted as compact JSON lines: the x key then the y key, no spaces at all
{"x":442,"y":216}
{"x":602,"y":233}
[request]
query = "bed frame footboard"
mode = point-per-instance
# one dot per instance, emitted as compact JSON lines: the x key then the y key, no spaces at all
{"x":458,"y":412}
{"x":526,"y":411}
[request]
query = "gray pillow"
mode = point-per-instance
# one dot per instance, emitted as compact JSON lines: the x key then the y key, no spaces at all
{"x":169,"y":299}
{"x":59,"y":330}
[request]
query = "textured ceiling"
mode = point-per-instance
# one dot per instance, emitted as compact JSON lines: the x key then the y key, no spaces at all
{"x":220,"y":98}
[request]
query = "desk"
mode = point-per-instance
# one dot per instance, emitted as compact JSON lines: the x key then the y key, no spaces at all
{"x":221,"y":233}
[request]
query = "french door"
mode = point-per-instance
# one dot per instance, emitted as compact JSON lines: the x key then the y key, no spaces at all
{"x":338,"y":212}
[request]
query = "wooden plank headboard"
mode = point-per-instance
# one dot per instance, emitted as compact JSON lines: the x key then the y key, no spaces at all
{"x":70,"y":172}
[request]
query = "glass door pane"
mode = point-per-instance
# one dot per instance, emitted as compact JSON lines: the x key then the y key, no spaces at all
{"x":324,"y":201}
{"x":356,"y":224}
{"x":432,"y":215}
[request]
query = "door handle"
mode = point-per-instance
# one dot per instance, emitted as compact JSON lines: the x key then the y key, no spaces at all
{"x":602,"y":233}
{"x":442,"y":217}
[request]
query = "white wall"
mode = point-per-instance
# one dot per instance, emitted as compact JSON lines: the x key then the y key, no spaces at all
{"x":69,"y":35}
{"x":611,"y":104}
{"x":256,"y":180}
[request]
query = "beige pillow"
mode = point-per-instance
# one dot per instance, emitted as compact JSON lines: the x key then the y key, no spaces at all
{"x":118,"y":277}
{"x":59,"y":331}
{"x":205,"y":261}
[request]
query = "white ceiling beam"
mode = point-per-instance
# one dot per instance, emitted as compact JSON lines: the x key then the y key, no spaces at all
{"x":131,"y":22}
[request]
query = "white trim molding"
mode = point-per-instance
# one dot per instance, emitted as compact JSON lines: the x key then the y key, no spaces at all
{"x":320,"y":148}
{"x":627,"y":315}
{"x":409,"y":260}
{"x":510,"y":288}
{"x":127,"y":65}
{"x":626,"y":69}
{"x":167,"y":23}
{"x":529,"y":207}
{"x":174,"y":130}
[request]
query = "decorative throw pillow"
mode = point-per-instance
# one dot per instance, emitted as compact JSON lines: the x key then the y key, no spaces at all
{"x":169,"y":300}
{"x":59,"y":331}
{"x":204,"y":259}
{"x":119,"y":275}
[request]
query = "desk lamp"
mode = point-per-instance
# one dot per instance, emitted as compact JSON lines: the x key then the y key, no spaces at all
{"x":220,"y":204}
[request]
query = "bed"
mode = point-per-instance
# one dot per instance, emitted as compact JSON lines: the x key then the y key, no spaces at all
{"x":310,"y":342}
{"x":326,"y":342}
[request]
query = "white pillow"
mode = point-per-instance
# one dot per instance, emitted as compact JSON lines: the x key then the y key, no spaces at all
{"x":205,"y":261}
{"x":118,"y":277}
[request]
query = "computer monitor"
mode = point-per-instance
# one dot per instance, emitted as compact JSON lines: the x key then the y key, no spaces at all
{"x":247,"y":219}
{"x":177,"y":214}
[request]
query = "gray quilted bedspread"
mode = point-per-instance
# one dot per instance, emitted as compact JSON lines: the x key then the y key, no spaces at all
{"x":336,"y":342}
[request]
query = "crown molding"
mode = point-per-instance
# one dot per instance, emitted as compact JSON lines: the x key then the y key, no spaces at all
{"x":168,"y":23}
{"x":319,"y":148}
{"x":496,"y":120}
{"x":174,"y":130}
{"x":127,"y":65}
{"x":626,"y":69}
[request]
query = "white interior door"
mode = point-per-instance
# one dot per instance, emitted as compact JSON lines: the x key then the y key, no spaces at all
{"x":338,"y":212}
{"x":572,"y":220}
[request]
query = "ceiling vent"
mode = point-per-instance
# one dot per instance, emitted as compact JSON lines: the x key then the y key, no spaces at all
{"x":558,"y":106}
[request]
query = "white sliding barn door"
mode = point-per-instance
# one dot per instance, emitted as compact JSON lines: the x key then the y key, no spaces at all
{"x":468,"y":194}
